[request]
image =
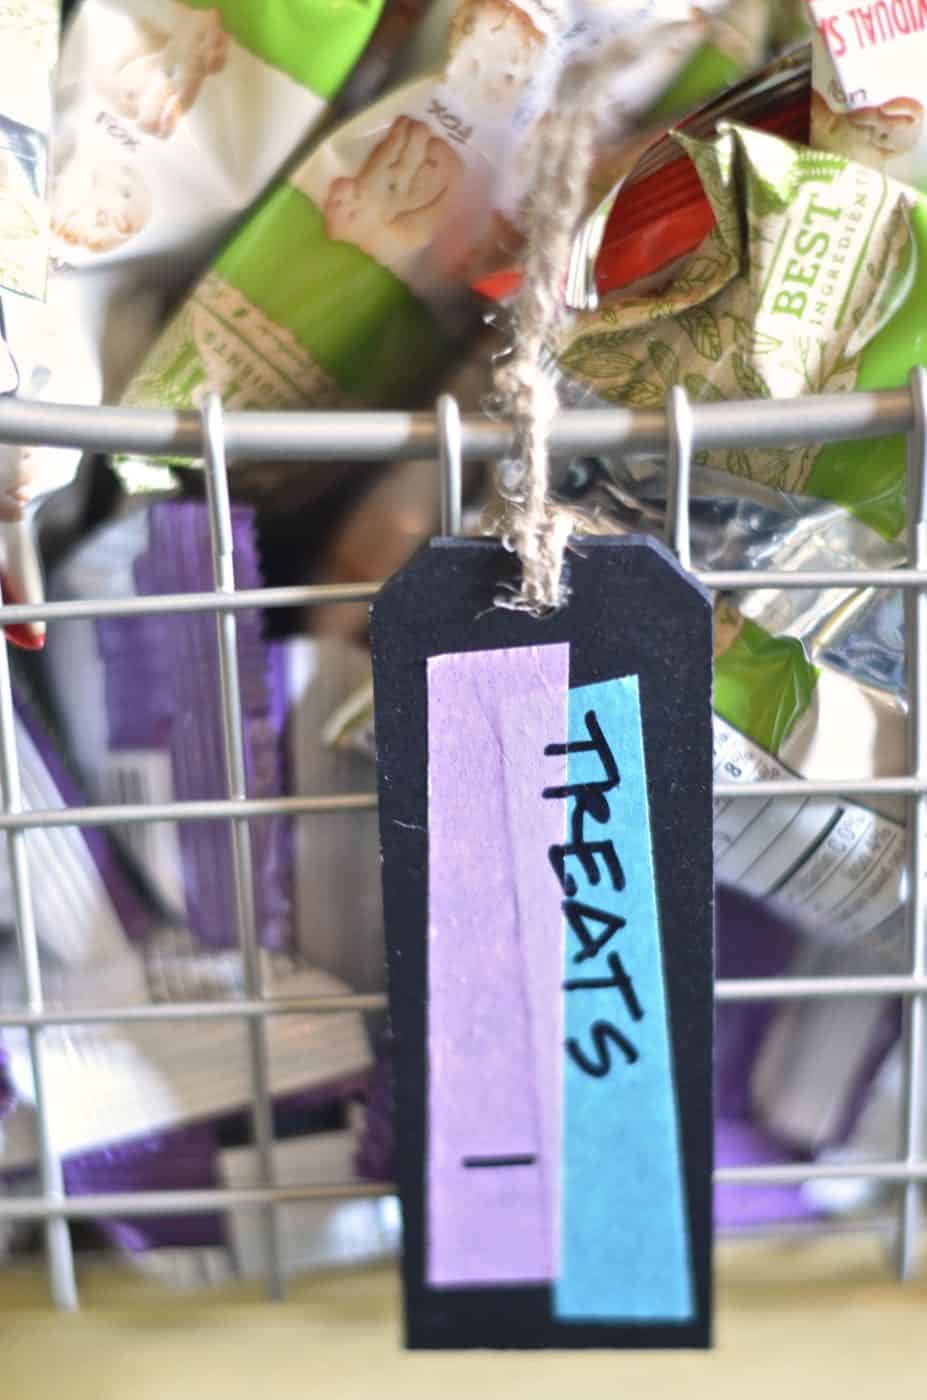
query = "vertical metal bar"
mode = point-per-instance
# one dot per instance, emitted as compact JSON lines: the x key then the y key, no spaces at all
{"x":450,"y":455}
{"x":221,"y":536}
{"x":679,"y":474}
{"x":914,"y":1133}
{"x":58,"y":1250}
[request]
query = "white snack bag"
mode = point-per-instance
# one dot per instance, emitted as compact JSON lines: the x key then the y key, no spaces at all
{"x":172,"y":117}
{"x":351,"y":282}
{"x":870,"y":85}
{"x":28,"y":49}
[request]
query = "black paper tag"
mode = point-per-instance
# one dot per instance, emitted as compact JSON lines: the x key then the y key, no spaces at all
{"x":546,"y":824}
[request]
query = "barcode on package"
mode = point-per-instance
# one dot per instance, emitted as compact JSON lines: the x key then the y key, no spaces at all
{"x":831,"y":861}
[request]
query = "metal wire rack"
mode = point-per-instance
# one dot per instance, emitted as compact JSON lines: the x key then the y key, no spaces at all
{"x":678,"y":431}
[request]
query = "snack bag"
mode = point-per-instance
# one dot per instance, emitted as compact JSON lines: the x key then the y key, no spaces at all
{"x":821,"y":1059}
{"x":87,"y":911}
{"x":35,"y":360}
{"x":811,"y":279}
{"x":171,"y":118}
{"x":870,"y":85}
{"x":351,"y":281}
{"x":834,"y":866}
{"x":174,"y":114}
{"x":28,"y":50}
{"x":137,"y":699}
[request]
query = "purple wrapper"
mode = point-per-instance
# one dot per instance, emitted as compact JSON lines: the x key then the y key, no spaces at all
{"x":182,"y":1159}
{"x":742,"y":1144}
{"x":752,"y":941}
{"x":162,"y":688}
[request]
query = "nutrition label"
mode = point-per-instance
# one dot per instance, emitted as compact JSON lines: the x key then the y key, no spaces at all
{"x":828,"y":859}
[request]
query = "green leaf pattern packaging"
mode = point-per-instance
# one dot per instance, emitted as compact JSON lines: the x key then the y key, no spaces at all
{"x":812,"y":281}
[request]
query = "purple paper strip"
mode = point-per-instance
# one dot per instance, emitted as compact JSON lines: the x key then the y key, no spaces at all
{"x":495,"y":941}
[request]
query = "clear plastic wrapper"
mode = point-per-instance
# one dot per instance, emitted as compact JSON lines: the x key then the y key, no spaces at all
{"x":807,"y":683}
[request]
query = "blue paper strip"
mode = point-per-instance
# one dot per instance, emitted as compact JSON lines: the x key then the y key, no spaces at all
{"x":625,"y":1251}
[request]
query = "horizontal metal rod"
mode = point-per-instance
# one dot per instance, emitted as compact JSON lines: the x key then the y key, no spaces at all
{"x":834,"y":787}
{"x":246,"y":1008}
{"x":194,"y":1202}
{"x":726,"y":991}
{"x":822,"y":1227}
{"x":332,"y":594}
{"x":171,"y":603}
{"x":215,"y":809}
{"x":303,"y":437}
{"x":228,"y":809}
{"x":186,"y":1202}
{"x":797,"y":1173}
{"x":741,"y":989}
{"x":728,"y":579}
{"x":317,"y":595}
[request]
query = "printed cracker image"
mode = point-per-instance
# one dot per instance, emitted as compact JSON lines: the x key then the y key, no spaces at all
{"x":399,"y":197}
{"x":159,"y":78}
{"x":493,"y":47}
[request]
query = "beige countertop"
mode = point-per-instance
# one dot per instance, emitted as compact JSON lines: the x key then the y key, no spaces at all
{"x":809,"y":1321}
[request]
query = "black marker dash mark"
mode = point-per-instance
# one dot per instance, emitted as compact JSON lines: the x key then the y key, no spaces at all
{"x":526,"y":1160}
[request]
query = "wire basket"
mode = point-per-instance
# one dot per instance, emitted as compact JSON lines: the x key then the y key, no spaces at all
{"x":678,"y":432}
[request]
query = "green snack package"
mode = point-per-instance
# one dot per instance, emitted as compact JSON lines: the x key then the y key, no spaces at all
{"x":351,"y":282}
{"x":172,"y":118}
{"x":812,"y":281}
